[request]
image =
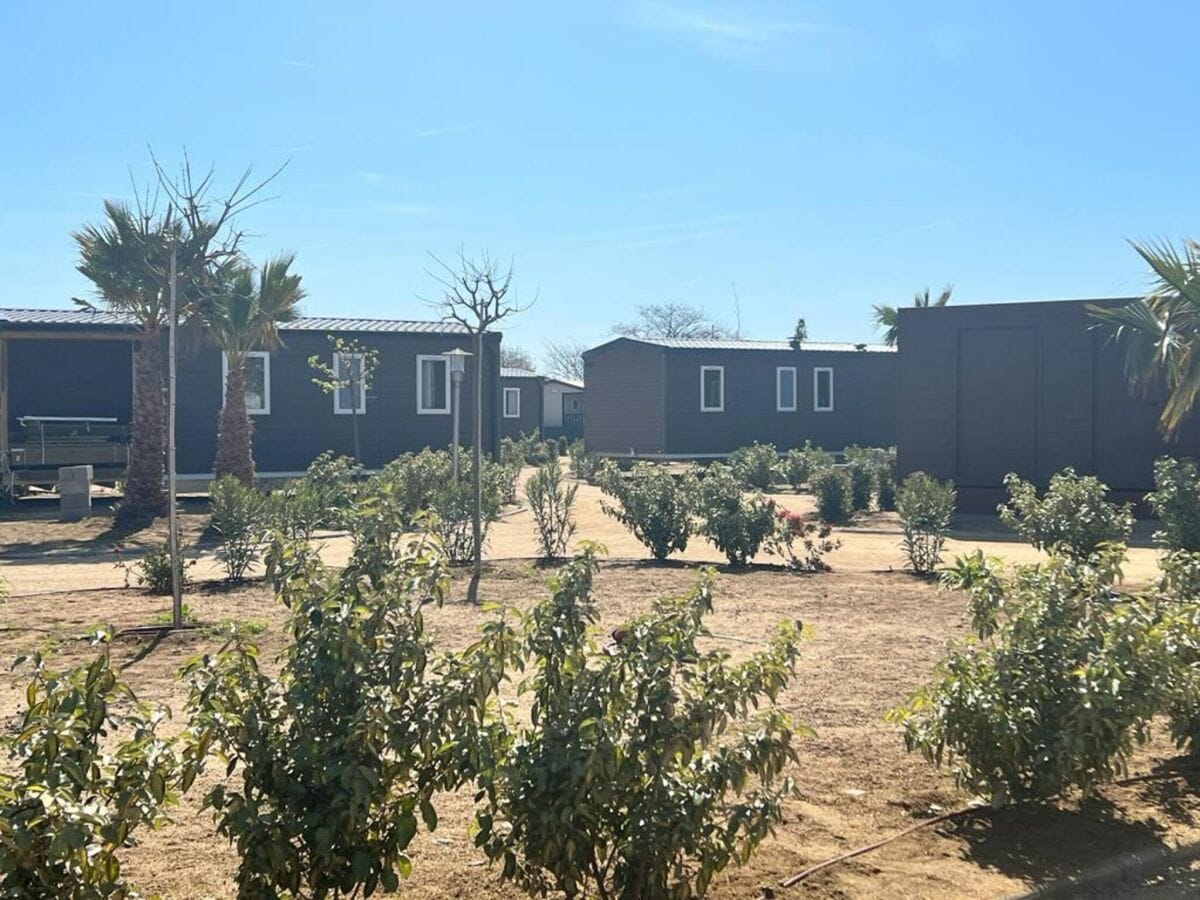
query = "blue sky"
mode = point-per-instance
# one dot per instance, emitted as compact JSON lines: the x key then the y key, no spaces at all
{"x":821,"y":157}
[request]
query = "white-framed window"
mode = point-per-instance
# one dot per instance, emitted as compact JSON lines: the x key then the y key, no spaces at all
{"x":785,"y":389}
{"x":433,"y":386}
{"x":712,"y":389}
{"x":822,"y":389}
{"x":258,"y":382}
{"x":348,"y":370}
{"x":512,"y":403}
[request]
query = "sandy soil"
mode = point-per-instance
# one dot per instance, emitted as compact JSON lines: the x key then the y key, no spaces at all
{"x":875,"y":636}
{"x":40,"y":554}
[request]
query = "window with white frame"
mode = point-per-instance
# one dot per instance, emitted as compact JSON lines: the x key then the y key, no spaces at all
{"x":712,"y":389}
{"x":512,"y":403}
{"x":785,"y":389}
{"x":258,"y":381}
{"x":822,"y":389}
{"x":351,"y":397}
{"x":433,"y":385}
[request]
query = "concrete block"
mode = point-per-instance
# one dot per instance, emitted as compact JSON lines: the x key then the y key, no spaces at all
{"x":74,"y":491}
{"x":74,"y":473}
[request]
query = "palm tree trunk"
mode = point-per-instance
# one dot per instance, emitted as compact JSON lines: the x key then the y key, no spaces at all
{"x":144,"y":497}
{"x":234,"y":429}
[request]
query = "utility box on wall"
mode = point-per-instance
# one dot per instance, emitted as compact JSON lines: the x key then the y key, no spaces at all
{"x":75,"y":491}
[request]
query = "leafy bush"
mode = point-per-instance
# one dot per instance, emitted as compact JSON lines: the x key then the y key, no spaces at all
{"x":801,"y":543}
{"x":344,"y":748}
{"x":926,"y":508}
{"x":333,"y":482}
{"x":86,"y":769}
{"x":654,"y":505}
{"x":296,"y":510}
{"x":834,"y":491}
{"x":551,"y":501}
{"x":153,"y":570}
{"x":414,"y":478}
{"x":736,"y":524}
{"x":1072,"y":516}
{"x":529,"y":449}
{"x":800,"y":464}
{"x":583,"y":464}
{"x":453,"y":505}
{"x":620,"y":785}
{"x":885,"y":487}
{"x":238,"y":514}
{"x":862,"y":484}
{"x":1176,"y":501}
{"x":754,"y":466}
{"x":1065,"y":679}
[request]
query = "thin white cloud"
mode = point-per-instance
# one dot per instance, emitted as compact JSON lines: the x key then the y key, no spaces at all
{"x":372,"y":177}
{"x":663,"y":232}
{"x":448,"y":130}
{"x":730,"y":33}
{"x":298,"y":63}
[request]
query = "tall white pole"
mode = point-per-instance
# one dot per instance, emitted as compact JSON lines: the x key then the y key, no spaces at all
{"x":173,"y":539}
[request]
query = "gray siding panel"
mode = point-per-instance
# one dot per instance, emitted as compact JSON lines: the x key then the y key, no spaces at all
{"x":863,"y":410}
{"x":624,"y":406}
{"x":530,"y":419}
{"x":967,"y":400}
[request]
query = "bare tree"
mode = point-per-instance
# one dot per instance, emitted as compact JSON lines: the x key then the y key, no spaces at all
{"x":475,"y":294}
{"x":672,"y":320}
{"x":515,"y":357}
{"x":565,"y":358}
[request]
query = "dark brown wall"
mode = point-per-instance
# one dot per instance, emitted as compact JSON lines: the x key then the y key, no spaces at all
{"x":624,"y":409}
{"x":70,"y":378}
{"x":864,"y":406}
{"x":1027,"y":388}
{"x":531,"y":407}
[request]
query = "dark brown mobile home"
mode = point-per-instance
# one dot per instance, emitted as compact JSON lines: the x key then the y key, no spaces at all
{"x":66,"y":387}
{"x":704,"y":398}
{"x":1027,"y":388}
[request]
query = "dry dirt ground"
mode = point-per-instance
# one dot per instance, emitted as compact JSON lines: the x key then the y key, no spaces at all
{"x":876,"y":635}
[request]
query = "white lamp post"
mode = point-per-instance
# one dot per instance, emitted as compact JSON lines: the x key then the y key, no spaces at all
{"x":457,"y":359}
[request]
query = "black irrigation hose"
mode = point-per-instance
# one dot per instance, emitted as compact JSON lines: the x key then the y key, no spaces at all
{"x":1186,"y":852}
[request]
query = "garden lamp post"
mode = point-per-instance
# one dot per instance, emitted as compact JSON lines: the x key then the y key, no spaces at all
{"x":458,"y":368}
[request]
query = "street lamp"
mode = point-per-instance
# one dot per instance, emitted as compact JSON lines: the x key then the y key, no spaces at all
{"x":457,"y":360}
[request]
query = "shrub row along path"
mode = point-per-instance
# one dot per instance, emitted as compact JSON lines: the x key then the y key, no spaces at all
{"x":40,"y":554}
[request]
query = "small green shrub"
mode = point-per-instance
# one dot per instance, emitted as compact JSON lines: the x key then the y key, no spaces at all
{"x":583,"y":464}
{"x":654,"y":505}
{"x":1176,"y":502}
{"x":1073,"y":515}
{"x":736,"y":524}
{"x":798,"y":465}
{"x":453,"y":505}
{"x":239,"y":515}
{"x":640,"y":774}
{"x":333,"y":480}
{"x":344,"y":747}
{"x":801,"y":543}
{"x":885,"y":488}
{"x":529,"y":449}
{"x":862,"y":484}
{"x":1064,"y":678}
{"x":412,"y":479}
{"x":926,"y":508}
{"x":153,"y":570}
{"x":551,"y":501}
{"x":86,"y":768}
{"x":755,"y":465}
{"x":834,"y":492}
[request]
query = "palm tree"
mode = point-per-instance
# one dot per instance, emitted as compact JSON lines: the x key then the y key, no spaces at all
{"x":887,"y":317}
{"x":127,"y":258}
{"x":1161,"y":332}
{"x":243,"y":317}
